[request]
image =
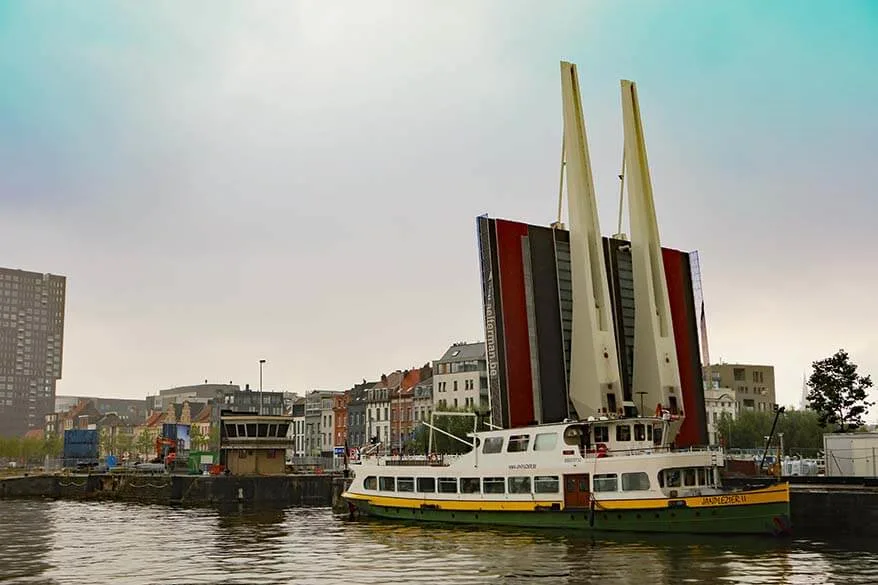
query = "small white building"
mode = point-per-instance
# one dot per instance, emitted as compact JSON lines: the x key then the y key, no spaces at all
{"x":720,"y":404}
{"x":851,"y":454}
{"x":460,"y":378}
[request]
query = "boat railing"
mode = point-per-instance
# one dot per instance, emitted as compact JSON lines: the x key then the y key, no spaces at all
{"x":662,"y":449}
{"x":434,"y":460}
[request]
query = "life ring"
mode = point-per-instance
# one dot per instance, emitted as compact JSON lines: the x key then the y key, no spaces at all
{"x":601,"y":450}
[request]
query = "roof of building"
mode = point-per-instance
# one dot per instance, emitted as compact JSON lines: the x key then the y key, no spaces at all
{"x":203,"y":416}
{"x":155,"y":419}
{"x":34,"y":434}
{"x":464,"y":351}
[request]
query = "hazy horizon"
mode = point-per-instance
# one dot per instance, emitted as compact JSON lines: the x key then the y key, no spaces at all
{"x":298,"y":182}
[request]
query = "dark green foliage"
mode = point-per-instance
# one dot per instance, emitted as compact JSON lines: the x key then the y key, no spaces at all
{"x":803,"y":433}
{"x":837,"y":393}
{"x":459,"y":426}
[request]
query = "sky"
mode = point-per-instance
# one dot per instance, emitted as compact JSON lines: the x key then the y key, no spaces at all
{"x":223,"y":182}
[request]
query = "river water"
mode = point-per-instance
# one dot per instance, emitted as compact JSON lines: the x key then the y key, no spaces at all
{"x":75,"y":542}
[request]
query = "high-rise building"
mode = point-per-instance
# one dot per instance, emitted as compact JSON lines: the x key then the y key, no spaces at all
{"x":31,"y":344}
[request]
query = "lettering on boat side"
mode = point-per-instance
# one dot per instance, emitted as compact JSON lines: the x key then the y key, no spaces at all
{"x":723,"y":500}
{"x":523,"y":466}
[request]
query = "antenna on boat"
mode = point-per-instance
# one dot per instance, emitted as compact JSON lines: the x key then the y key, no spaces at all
{"x":595,"y":384}
{"x":655,"y":353}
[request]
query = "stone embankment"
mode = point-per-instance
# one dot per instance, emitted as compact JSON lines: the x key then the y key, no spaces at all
{"x":284,"y":490}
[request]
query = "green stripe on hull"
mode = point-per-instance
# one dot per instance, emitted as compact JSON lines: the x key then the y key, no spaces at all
{"x":770,"y":518}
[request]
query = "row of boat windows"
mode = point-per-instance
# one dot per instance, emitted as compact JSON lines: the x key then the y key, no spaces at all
{"x":548,"y":441}
{"x":539,"y":484}
{"x":521,"y":443}
{"x":636,"y":432}
{"x":686,"y":477}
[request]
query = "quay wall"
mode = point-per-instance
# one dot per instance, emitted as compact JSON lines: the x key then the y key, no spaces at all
{"x":284,"y":490}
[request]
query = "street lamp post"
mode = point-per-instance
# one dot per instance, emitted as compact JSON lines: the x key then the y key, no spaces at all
{"x":261,"y":363}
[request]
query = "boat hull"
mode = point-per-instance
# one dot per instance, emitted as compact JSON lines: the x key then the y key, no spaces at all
{"x":767,"y":512}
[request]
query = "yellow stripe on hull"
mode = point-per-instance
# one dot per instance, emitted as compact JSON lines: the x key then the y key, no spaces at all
{"x":775,"y":494}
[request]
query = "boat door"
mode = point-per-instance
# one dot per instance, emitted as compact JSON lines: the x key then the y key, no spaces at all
{"x":576,"y":490}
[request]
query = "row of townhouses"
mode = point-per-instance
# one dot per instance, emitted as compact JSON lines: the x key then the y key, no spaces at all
{"x":387,"y":412}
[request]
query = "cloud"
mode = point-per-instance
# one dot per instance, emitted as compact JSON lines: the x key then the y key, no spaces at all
{"x":299,"y":180}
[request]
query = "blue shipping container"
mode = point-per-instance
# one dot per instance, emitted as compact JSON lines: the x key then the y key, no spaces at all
{"x":81,"y":444}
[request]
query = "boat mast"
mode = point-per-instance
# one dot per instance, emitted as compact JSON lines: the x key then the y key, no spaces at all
{"x":595,"y":386}
{"x":655,"y":354}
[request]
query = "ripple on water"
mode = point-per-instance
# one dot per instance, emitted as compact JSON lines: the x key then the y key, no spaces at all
{"x":76,"y":542}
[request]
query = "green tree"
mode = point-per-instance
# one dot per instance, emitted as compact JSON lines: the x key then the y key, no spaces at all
{"x":53,"y":445}
{"x":144,"y":444}
{"x":803,"y":433}
{"x":459,"y":426}
{"x":197,"y":438}
{"x":214,"y":435}
{"x":837,"y":393}
{"x":124,"y":442}
{"x":105,"y":439}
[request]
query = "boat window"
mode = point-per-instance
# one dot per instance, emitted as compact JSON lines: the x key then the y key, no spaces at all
{"x":447,"y":485}
{"x":623,"y":432}
{"x":546,"y":484}
{"x":519,"y":485}
{"x":572,"y":435}
{"x":493,"y":445}
{"x":263,"y":429}
{"x":633,"y":482}
{"x":427,"y":485}
{"x":702,"y":477}
{"x":242,"y":430}
{"x":545,"y":441}
{"x":657,"y":435}
{"x":251,"y":430}
{"x":387,"y":484}
{"x":639,"y":432}
{"x":405,"y":484}
{"x":283,"y":429}
{"x":689,"y":476}
{"x":606,"y":482}
{"x":493,"y":485}
{"x":231,"y":431}
{"x":649,"y":432}
{"x":601,"y":434}
{"x":518,"y":443}
{"x":469,"y":485}
{"x":272,"y":430}
{"x":672,"y":478}
{"x":370,"y":483}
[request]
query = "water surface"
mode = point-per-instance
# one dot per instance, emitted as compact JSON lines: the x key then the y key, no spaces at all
{"x":76,"y":542}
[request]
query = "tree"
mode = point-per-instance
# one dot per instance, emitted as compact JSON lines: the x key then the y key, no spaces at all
{"x":214,"y":438}
{"x":144,"y":444}
{"x":459,"y":426}
{"x":124,"y":442}
{"x":196,"y":438}
{"x":803,"y":433}
{"x":837,"y":393}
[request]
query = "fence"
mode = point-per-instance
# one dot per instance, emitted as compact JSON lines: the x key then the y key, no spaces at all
{"x":861,"y":462}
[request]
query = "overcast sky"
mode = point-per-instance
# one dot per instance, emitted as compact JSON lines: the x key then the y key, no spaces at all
{"x":298,"y":181}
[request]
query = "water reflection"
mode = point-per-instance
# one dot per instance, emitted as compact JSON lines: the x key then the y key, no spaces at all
{"x":74,"y":542}
{"x":26,"y":536}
